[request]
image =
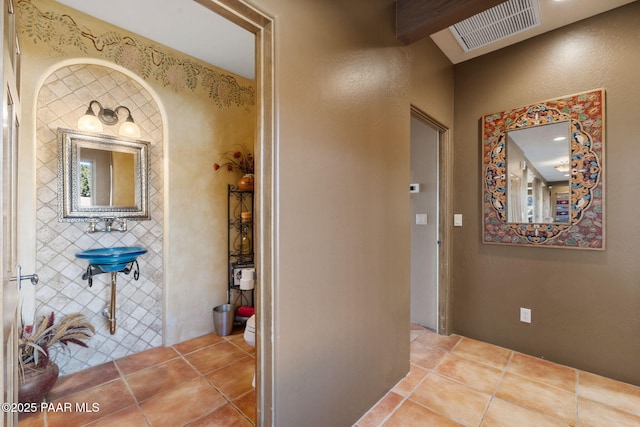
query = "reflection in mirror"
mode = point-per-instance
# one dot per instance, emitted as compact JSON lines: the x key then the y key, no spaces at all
{"x":101,"y":176}
{"x":106,"y":177}
{"x":538,"y":174}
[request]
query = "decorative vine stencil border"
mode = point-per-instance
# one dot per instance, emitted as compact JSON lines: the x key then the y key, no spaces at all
{"x":61,"y":33}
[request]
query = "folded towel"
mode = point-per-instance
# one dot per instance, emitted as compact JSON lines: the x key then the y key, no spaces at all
{"x":245,"y":311}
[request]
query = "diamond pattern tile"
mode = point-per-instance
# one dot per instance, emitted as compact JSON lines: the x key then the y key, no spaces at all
{"x":61,"y":101}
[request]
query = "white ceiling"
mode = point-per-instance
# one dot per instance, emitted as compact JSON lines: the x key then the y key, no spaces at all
{"x":183,"y":25}
{"x":554,"y":14}
{"x":189,"y":27}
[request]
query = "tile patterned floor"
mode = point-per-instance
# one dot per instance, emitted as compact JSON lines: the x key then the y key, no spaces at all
{"x":457,"y":381}
{"x":201,"y":382}
{"x":454,"y":381}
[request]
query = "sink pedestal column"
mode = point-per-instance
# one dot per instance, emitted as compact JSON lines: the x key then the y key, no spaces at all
{"x":112,"y":308}
{"x":111,"y":260}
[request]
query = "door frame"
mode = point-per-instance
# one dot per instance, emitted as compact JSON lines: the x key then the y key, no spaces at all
{"x":265,"y":243}
{"x":445,"y":219}
{"x":9,"y":301}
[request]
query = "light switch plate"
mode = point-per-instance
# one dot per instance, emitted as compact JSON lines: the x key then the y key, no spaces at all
{"x":457,"y":220}
{"x":421,"y":219}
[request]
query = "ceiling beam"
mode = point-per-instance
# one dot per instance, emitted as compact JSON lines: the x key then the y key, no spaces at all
{"x":417,"y":19}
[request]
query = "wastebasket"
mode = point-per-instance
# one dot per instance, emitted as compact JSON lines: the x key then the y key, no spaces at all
{"x":223,"y":317}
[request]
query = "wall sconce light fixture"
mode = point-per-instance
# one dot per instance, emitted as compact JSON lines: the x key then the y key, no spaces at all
{"x":92,"y":123}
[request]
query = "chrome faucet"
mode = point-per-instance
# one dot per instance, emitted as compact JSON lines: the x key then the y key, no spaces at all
{"x":110,"y":224}
{"x":121,"y":224}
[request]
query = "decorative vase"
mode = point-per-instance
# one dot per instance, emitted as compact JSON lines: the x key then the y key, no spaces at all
{"x":245,"y":241}
{"x":246,"y":182}
{"x":36,"y":382}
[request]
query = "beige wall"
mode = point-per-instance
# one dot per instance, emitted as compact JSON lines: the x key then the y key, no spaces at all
{"x":585,"y":304}
{"x":341,"y":304}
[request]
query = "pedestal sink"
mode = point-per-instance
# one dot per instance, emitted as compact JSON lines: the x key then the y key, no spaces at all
{"x":111,"y":260}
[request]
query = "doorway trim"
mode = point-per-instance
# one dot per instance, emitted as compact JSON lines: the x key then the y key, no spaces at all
{"x":445,"y":215}
{"x":262,"y":26}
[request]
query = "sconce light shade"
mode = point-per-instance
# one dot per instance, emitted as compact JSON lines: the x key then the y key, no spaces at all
{"x":89,"y":122}
{"x":129,"y":128}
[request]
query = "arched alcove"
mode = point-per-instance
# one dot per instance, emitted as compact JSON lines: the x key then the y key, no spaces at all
{"x":63,"y":97}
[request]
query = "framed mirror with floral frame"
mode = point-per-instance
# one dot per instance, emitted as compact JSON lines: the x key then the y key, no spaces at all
{"x":522,"y":203}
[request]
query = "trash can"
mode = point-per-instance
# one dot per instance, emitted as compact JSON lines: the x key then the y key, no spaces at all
{"x":223,"y":317}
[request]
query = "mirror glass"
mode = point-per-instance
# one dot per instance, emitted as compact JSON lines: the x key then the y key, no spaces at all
{"x":543,"y":173}
{"x":101,"y":176}
{"x":106,"y":177}
{"x":538,"y":174}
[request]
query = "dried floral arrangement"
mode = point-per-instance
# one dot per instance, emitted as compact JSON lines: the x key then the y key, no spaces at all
{"x":34,"y":348}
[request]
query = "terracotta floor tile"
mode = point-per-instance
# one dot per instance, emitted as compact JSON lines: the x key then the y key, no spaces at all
{"x":443,"y":342}
{"x":411,"y":381}
{"x":214,"y":357}
{"x":539,"y":397}
{"x":182,"y":404}
{"x":31,"y":419}
{"x":425,"y":357}
{"x":451,"y":399}
{"x":385,"y":406}
{"x":506,"y":414}
{"x":239,"y":341}
{"x":610,"y":392}
{"x":145,"y":359}
{"x":110,"y":398}
{"x":446,"y":383}
{"x":488,"y":354}
{"x":226,"y":416}
{"x":129,"y":417}
{"x":194,"y":344}
{"x":413,"y":414}
{"x":594,"y":414}
{"x":415,"y":334}
{"x":417,"y":331}
{"x":247,"y":405}
{"x":474,"y":374}
{"x":544,"y":371}
{"x":72,"y":383}
{"x":156,"y":379}
{"x":235,"y":379}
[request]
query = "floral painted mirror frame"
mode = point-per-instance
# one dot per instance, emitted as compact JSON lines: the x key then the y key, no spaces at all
{"x":585,"y":228}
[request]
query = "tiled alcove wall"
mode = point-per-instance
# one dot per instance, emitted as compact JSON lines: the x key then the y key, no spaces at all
{"x":61,"y":101}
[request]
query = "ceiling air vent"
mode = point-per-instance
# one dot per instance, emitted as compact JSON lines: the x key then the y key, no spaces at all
{"x":499,"y":22}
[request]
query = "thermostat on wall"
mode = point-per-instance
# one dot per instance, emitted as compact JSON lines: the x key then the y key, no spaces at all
{"x":414,"y":188}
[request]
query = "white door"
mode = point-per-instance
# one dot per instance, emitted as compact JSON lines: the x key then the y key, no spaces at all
{"x":424,"y":223}
{"x":9,"y":198}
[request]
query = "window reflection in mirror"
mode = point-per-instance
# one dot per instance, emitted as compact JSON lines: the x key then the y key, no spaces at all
{"x":538,"y":170}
